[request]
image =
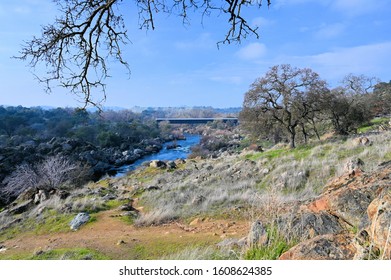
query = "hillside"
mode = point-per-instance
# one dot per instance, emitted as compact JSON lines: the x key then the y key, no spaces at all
{"x":326,"y":200}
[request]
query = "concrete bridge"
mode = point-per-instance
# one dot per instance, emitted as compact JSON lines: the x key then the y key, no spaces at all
{"x":197,"y":120}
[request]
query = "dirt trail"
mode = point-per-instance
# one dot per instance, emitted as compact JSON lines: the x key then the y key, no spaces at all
{"x":115,"y":239}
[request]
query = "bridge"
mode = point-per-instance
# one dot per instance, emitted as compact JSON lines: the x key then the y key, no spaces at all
{"x":197,"y":120}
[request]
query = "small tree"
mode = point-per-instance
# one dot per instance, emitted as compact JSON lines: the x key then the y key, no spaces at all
{"x":381,"y":99}
{"x":350,"y":105}
{"x":285,"y":97}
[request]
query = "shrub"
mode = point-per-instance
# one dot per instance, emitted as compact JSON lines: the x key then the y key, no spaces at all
{"x":55,"y":172}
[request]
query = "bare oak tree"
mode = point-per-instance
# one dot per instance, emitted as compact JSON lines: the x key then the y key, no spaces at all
{"x":285,"y":97}
{"x":76,"y":47}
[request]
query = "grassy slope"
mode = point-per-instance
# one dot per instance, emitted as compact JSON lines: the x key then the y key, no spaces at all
{"x":232,"y":188}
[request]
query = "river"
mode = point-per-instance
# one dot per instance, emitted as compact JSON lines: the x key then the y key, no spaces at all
{"x":181,"y":152}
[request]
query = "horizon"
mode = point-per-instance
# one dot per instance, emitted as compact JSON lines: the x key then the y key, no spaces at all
{"x":118,"y":108}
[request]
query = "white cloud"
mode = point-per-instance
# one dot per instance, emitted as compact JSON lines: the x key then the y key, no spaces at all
{"x":330,"y":31}
{"x":252,"y":51}
{"x":350,"y":8}
{"x":358,"y":7}
{"x":370,"y":60}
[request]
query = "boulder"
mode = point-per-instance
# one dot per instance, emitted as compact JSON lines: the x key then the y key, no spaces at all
{"x":80,"y":219}
{"x":309,"y":224}
{"x":323,"y":247}
{"x":152,"y":188}
{"x":171,"y":164}
{"x":257,"y":235}
{"x":138,"y":151}
{"x":379,"y":213}
{"x":27,"y":194}
{"x":179,"y":161}
{"x":128,"y":207}
{"x":353,"y":167}
{"x":363,"y":141}
{"x":40,"y":197}
{"x":21,"y":208}
{"x":158,"y":164}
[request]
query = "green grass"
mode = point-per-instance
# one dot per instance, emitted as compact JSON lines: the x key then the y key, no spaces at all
{"x":51,"y":222}
{"x":276,"y":246}
{"x":127,"y":219}
{"x":299,"y":153}
{"x":373,"y":125}
{"x":112,"y":204}
{"x":60,"y":254}
{"x":346,"y":153}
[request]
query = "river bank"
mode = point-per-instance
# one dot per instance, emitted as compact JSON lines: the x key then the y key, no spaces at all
{"x":172,"y":150}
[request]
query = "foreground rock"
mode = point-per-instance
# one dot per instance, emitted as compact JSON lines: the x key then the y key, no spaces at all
{"x":79,"y":220}
{"x":323,"y":247}
{"x":350,"y":220}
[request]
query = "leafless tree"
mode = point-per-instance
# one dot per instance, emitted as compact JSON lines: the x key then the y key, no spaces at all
{"x":76,"y":47}
{"x":285,"y":97}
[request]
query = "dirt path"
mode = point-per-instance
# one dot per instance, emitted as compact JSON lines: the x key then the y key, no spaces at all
{"x":117,"y":240}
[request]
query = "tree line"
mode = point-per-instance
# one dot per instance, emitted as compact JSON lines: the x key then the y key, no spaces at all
{"x":108,"y":128}
{"x":288,"y":102}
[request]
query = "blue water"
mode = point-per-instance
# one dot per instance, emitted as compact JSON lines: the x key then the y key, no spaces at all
{"x":165,"y":154}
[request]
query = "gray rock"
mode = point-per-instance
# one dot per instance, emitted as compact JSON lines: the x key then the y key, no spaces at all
{"x":353,"y":166}
{"x":311,"y":224}
{"x":138,"y":151}
{"x":40,"y":197}
{"x":257,"y":234}
{"x":67,"y":147}
{"x":171,"y":165}
{"x":232,"y":243}
{"x":323,"y":247}
{"x":79,"y":220}
{"x":152,"y":188}
{"x":158,"y":164}
{"x":22,"y":207}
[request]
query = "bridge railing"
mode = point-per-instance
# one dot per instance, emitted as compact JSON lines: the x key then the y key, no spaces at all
{"x":196,"y":120}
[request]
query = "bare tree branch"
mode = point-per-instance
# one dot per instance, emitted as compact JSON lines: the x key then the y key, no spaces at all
{"x":76,"y":47}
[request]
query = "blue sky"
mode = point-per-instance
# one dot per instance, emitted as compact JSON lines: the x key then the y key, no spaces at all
{"x":180,"y":65}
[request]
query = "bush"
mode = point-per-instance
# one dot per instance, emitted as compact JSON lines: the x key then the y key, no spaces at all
{"x":55,"y":172}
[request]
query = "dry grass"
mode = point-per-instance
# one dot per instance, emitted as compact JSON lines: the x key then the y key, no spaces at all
{"x":261,"y":183}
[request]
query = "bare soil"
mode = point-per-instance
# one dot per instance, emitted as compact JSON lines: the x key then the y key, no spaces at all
{"x":114,"y":238}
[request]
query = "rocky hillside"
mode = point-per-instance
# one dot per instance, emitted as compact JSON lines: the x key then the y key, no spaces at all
{"x":351,"y":219}
{"x":327,"y":200}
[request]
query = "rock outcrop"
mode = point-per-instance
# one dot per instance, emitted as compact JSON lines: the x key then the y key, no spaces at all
{"x":350,"y":220}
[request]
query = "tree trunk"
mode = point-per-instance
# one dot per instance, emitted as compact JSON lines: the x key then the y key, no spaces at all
{"x":305,"y":134}
{"x":292,"y":143}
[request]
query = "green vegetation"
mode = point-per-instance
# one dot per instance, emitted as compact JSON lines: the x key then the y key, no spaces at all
{"x":374,"y":124}
{"x":301,"y":152}
{"x":170,"y":247}
{"x":50,"y":222}
{"x":61,"y":254}
{"x":275,"y":247}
